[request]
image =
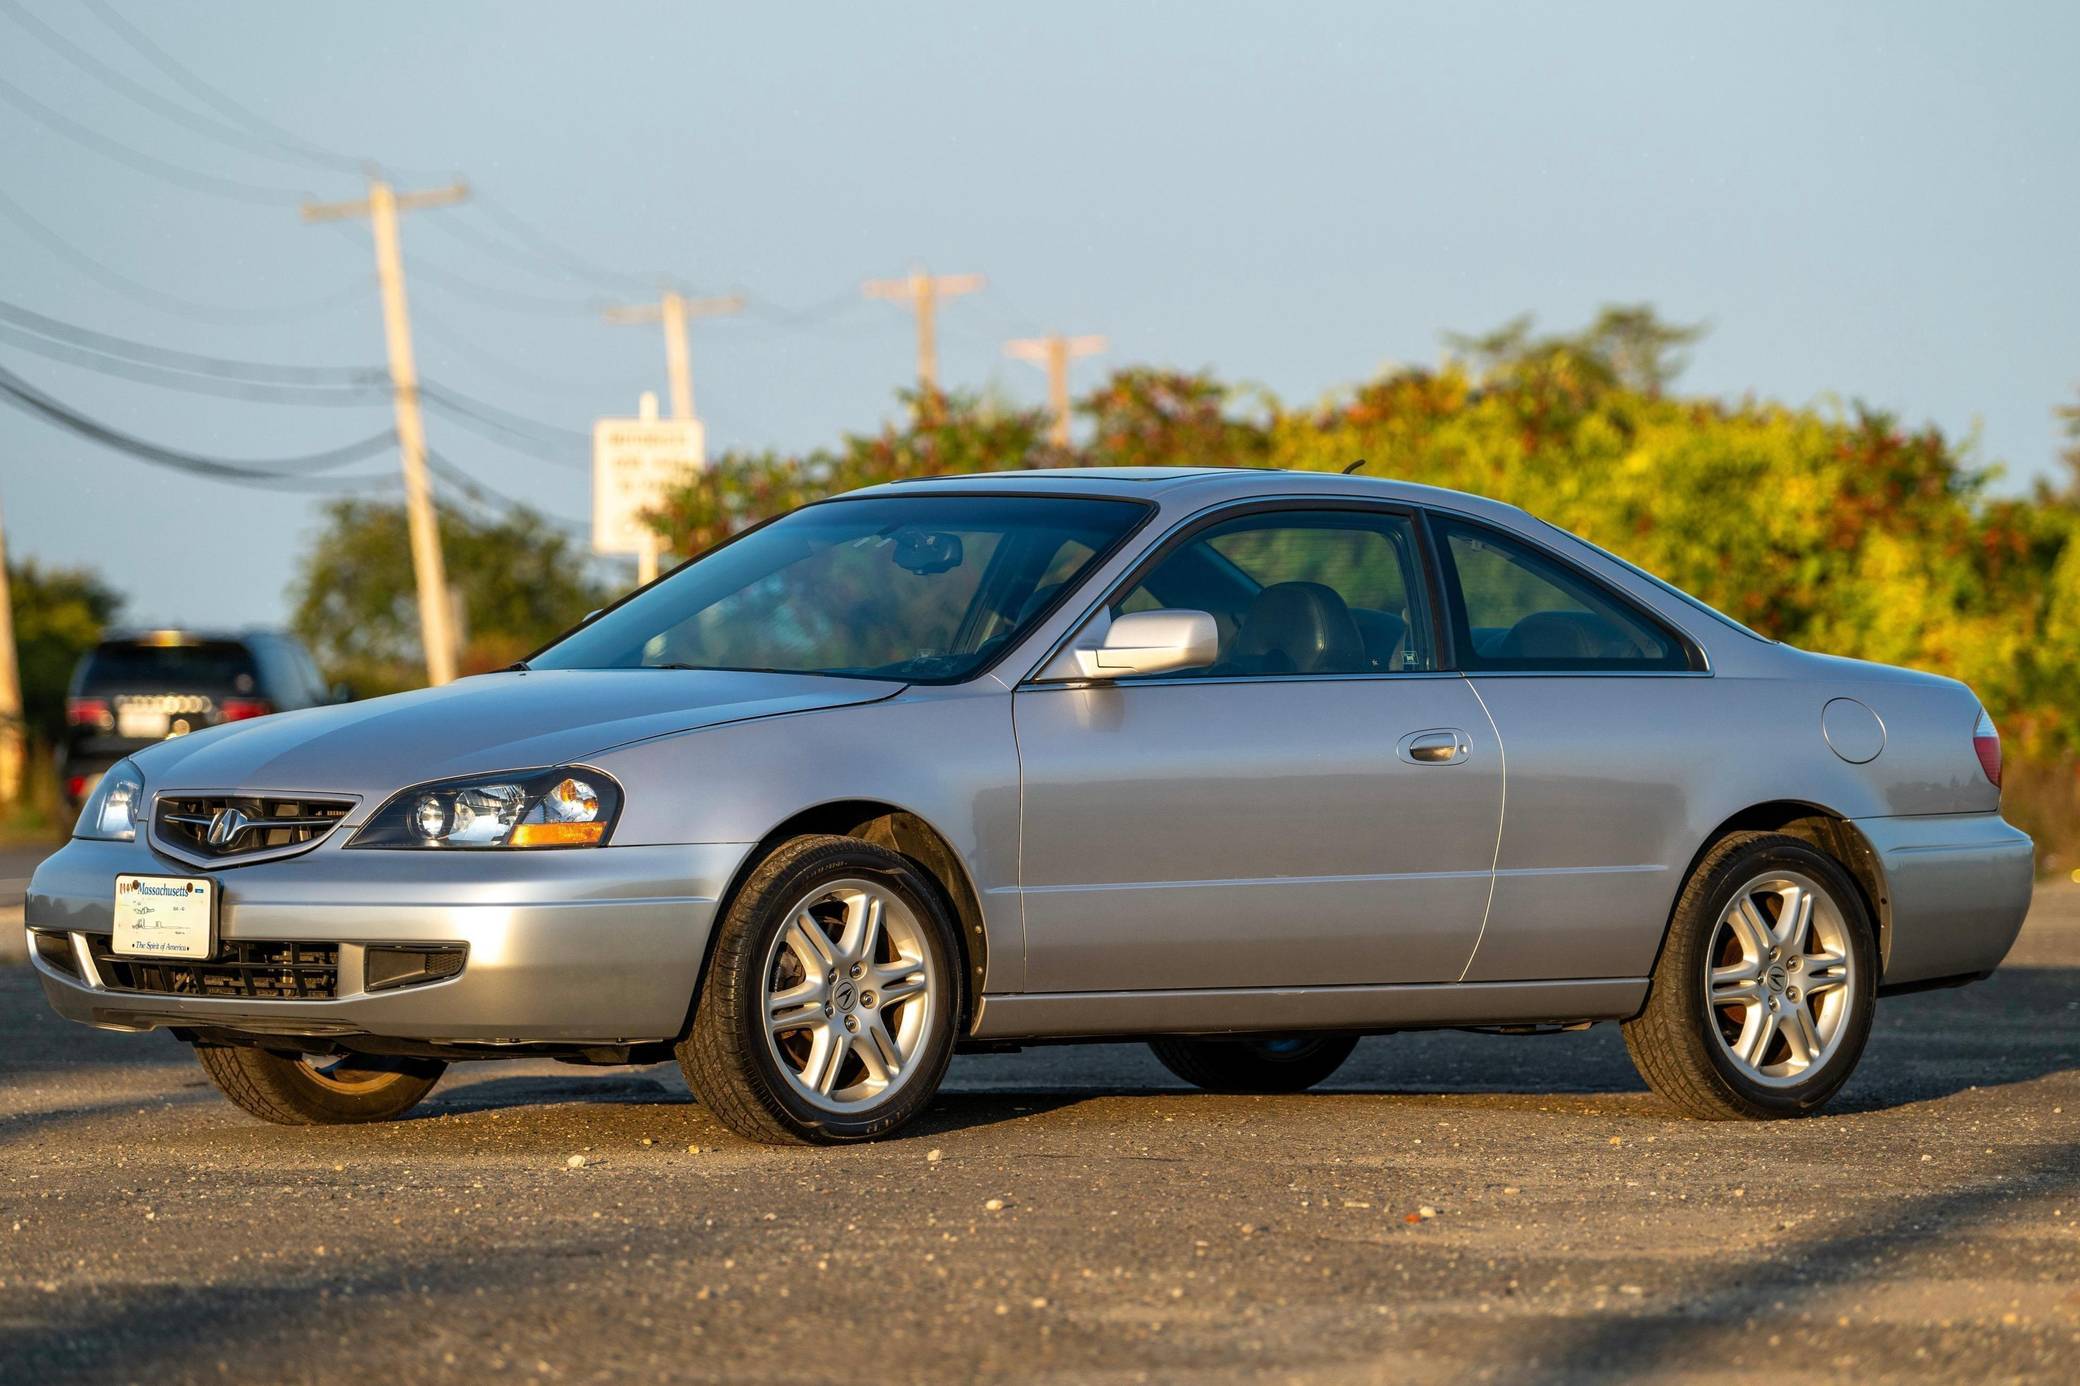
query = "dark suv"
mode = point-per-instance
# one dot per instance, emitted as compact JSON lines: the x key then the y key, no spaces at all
{"x":136,"y":688}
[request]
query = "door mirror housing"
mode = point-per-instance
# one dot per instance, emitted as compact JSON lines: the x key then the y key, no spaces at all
{"x":1152,"y":642}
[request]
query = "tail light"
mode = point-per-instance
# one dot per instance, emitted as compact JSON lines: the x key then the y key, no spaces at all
{"x":1986,"y":741}
{"x":89,"y":712}
{"x":239,"y":709}
{"x":77,"y":786}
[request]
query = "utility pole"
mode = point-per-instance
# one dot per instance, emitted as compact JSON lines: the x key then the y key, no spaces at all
{"x":381,"y":207}
{"x":13,"y":735}
{"x":1054,"y":352}
{"x":923,"y":292}
{"x":673,"y":309}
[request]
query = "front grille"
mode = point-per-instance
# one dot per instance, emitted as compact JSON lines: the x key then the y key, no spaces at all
{"x":245,"y":967}
{"x":216,"y":827}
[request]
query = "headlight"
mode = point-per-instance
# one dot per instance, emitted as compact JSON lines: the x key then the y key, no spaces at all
{"x":566,"y":807}
{"x":115,"y":808}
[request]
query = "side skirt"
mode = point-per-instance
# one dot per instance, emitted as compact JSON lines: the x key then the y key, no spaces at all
{"x":1241,"y":1010}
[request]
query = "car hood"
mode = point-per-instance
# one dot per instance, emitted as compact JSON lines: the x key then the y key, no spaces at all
{"x":488,"y":723}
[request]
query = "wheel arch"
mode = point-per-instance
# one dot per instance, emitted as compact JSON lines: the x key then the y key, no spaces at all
{"x":910,"y":836}
{"x":1824,"y":829}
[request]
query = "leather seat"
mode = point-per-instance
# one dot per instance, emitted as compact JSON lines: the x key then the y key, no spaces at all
{"x":1298,"y":628}
{"x":1565,"y":635}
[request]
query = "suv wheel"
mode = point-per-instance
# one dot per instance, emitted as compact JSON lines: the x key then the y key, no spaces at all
{"x":1762,"y":999}
{"x":829,"y":1006}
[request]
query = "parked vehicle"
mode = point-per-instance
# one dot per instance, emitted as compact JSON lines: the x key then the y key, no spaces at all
{"x":1246,"y":764}
{"x":137,"y":688}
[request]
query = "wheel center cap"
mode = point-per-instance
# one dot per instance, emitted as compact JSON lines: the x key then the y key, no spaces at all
{"x":1777,"y":977}
{"x":844,"y":995}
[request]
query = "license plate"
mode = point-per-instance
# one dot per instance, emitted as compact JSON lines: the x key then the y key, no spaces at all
{"x":142,"y":723}
{"x":165,"y":917}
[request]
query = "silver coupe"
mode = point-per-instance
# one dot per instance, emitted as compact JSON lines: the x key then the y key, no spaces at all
{"x":1246,"y":764}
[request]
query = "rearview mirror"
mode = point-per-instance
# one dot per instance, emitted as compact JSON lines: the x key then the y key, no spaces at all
{"x":1152,"y":642}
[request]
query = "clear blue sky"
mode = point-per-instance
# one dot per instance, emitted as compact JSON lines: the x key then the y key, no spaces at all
{"x":1873,"y":201}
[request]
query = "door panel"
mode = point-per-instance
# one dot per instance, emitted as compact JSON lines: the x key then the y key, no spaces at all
{"x":1253,"y":833}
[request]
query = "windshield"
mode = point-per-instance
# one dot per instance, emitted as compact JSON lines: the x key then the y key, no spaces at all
{"x":924,"y":589}
{"x":206,"y":664}
{"x":1665,"y":585}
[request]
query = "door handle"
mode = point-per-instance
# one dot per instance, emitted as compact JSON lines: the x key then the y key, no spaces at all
{"x":1438,"y":746}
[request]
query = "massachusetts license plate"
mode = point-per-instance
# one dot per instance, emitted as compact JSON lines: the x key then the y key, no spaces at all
{"x":165,"y":917}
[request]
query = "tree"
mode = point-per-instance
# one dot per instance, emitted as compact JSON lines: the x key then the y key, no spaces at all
{"x":1143,"y":417}
{"x":521,"y":580}
{"x":59,"y":614}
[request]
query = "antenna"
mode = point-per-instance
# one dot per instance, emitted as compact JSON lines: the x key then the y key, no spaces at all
{"x":1354,"y":466}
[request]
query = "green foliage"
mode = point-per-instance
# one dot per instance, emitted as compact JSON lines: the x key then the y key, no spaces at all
{"x":1832,"y":527}
{"x":59,"y":614}
{"x":521,"y":581}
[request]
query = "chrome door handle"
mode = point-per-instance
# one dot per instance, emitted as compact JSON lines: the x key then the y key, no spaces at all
{"x":1439,"y":746}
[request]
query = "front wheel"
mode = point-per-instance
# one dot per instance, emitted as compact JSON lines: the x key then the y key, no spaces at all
{"x":829,"y":1006}
{"x":309,"y":1090}
{"x":1763,"y":997}
{"x":1254,"y":1063}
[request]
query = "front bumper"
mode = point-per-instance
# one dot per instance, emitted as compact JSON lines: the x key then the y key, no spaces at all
{"x":576,"y":947}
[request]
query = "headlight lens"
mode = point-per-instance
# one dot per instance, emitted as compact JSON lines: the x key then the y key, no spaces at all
{"x":115,"y":808}
{"x":567,"y":807}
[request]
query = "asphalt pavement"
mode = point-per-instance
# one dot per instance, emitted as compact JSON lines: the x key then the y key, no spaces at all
{"x":1450,"y":1207}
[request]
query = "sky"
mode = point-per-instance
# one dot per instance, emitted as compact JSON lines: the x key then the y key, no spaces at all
{"x":1870,"y":202}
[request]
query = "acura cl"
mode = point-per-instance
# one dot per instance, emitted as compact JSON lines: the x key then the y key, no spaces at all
{"x":1244,"y":764}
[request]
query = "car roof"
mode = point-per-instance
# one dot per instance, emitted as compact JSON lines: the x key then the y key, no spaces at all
{"x":183,"y":635}
{"x":1203,"y":484}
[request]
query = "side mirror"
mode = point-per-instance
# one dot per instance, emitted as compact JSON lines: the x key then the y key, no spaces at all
{"x":1152,"y":642}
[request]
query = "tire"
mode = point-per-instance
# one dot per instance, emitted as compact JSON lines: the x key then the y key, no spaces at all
{"x":293,"y":1091}
{"x":1254,"y":1064}
{"x":861,"y":1049}
{"x":1790,"y":1004}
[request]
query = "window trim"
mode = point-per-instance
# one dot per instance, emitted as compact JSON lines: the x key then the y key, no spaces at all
{"x":1694,"y":660}
{"x":1191,"y":526}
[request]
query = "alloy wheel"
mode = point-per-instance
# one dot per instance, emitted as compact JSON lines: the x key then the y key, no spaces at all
{"x":849,"y":990}
{"x":1780,"y":978}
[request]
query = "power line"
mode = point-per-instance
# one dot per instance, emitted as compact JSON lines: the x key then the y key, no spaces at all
{"x":170,"y":378}
{"x":234,"y":189}
{"x":282,"y":471}
{"x":483,"y":494}
{"x":526,"y":377}
{"x":118,"y":80}
{"x":512,"y":430}
{"x":266,"y":372}
{"x":556,"y":253}
{"x":141,"y":292}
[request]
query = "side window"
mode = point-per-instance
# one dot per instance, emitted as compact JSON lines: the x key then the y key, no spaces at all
{"x":1514,"y":607}
{"x":1301,"y":592}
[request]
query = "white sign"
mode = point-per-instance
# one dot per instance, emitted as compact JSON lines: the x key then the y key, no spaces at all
{"x":634,"y":461}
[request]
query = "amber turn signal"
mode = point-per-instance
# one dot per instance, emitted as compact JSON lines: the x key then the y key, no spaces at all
{"x":558,"y":834}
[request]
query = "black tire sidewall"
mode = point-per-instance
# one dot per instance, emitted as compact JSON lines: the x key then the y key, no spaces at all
{"x":1728,"y":876}
{"x":765,"y":907}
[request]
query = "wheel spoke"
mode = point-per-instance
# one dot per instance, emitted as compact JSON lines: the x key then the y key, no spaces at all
{"x":877,"y":1049}
{"x":899,"y":981}
{"x":1756,"y":1036}
{"x":863,"y":924}
{"x":1735,"y":991}
{"x":826,"y":1056}
{"x":794,"y":1010}
{"x":1794,"y":919}
{"x":1799,"y":1033}
{"x":806,"y":939}
{"x":1823,"y":972}
{"x":1750,"y":928}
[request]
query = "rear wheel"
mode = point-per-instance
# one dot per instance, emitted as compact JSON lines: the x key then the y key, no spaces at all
{"x":314,"y":1090}
{"x":1763,"y":997}
{"x":828,"y":1010}
{"x":1254,"y":1063}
